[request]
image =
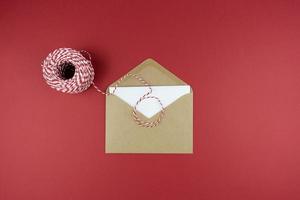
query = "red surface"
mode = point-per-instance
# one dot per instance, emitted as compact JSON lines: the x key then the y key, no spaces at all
{"x":241,"y":57}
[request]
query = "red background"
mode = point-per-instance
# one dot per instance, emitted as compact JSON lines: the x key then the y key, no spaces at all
{"x":241,"y":58}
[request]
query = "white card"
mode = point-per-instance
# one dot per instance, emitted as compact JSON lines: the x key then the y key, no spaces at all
{"x":149,"y":107}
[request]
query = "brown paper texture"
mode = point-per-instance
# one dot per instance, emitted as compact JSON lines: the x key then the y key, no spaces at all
{"x":173,"y":135}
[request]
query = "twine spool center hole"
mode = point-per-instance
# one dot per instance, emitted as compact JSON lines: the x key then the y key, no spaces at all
{"x":66,"y":70}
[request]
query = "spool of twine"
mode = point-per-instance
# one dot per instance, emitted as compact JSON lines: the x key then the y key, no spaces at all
{"x":67,"y":70}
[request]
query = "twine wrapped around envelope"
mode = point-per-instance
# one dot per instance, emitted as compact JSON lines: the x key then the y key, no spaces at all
{"x":69,"y":71}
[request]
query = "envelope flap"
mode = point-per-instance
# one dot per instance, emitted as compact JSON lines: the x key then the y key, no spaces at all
{"x":153,"y":73}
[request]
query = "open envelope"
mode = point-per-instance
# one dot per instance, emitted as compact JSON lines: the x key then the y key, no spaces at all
{"x":175,"y":132}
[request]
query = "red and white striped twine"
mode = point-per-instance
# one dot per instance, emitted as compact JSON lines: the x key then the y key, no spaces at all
{"x":83,"y":77}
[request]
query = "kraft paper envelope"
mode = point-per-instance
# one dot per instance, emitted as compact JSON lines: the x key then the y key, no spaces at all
{"x":175,"y":132}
